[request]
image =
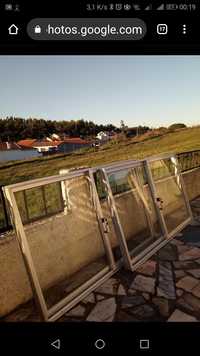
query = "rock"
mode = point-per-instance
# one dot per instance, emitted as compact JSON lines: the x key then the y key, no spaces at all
{"x":77,"y":311}
{"x":178,"y":315}
{"x":143,"y":284}
{"x":166,"y":287}
{"x":132,"y":292}
{"x":168,"y":253}
{"x":21,"y":314}
{"x":198,"y":261}
{"x":103,"y":311}
{"x":182,"y":249}
{"x":195,"y":272}
{"x":189,"y":302}
{"x":192,"y":254}
{"x":121,"y":290}
{"x":183,"y":265}
{"x":187,"y":283}
{"x":179,"y":292}
{"x":146,"y":296}
{"x":100,"y":297}
{"x":148,"y":268}
{"x":108,"y":287}
{"x":144,"y":312}
{"x":162,"y":304}
{"x":123,"y":315}
{"x":196,"y":291}
{"x":132,"y":301}
{"x":179,"y":274}
{"x":176,"y":242}
{"x":89,"y":299}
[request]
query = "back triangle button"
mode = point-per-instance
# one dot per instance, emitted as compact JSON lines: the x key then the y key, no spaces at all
{"x":56,"y":344}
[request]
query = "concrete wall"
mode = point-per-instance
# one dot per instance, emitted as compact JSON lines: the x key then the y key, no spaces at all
{"x":64,"y":243}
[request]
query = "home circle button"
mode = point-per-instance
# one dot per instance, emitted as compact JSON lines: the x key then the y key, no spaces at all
{"x":100,"y":344}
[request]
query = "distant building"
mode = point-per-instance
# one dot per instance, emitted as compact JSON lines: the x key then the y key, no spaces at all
{"x":55,"y":137}
{"x":72,"y":144}
{"x":12,"y":151}
{"x":5,"y":146}
{"x":26,"y":144}
{"x":47,"y":145}
{"x":103,"y":136}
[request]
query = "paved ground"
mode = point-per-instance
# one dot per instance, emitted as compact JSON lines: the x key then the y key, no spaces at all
{"x":165,"y":288}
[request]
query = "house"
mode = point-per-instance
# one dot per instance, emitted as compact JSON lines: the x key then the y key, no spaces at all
{"x":13,"y":30}
{"x":27,"y":143}
{"x":5,"y":146}
{"x":55,"y":137}
{"x":103,"y":136}
{"x":48,"y":145}
{"x":11,"y":151}
{"x":72,"y":144}
{"x":45,"y":145}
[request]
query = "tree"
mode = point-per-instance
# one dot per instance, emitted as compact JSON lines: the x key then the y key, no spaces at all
{"x":177,"y":126}
{"x":14,"y":129}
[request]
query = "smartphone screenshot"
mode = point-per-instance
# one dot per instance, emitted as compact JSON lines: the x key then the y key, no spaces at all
{"x":99,"y":177}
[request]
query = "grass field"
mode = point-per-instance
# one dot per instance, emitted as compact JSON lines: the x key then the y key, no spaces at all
{"x":178,"y":141}
{"x":48,"y":199}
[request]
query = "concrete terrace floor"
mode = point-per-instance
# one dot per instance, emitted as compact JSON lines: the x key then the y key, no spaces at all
{"x":165,"y":288}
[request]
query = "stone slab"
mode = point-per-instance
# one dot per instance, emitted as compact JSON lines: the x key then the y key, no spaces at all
{"x":192,"y":254}
{"x":148,"y":268}
{"x":166,"y":287}
{"x":189,"y":302}
{"x":109,"y":287}
{"x":196,"y":291}
{"x":121,"y":290}
{"x":163,"y":305}
{"x":132,"y":301}
{"x":187,"y":283}
{"x":195,"y":272}
{"x":179,"y":316}
{"x":168,"y":253}
{"x":143,"y":284}
{"x":77,"y":311}
{"x":103,"y":311}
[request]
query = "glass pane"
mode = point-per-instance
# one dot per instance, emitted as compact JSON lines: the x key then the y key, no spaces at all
{"x":35,"y":202}
{"x":67,"y":247}
{"x":20,"y":199}
{"x":2,"y":214}
{"x":169,"y":192}
{"x":53,"y":198}
{"x":136,"y":210}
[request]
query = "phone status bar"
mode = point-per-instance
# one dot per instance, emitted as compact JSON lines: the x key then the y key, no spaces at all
{"x":98,"y":7}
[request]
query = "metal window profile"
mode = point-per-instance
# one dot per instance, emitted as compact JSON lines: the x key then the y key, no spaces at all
{"x":131,"y":261}
{"x":129,"y":258}
{"x":57,"y":310}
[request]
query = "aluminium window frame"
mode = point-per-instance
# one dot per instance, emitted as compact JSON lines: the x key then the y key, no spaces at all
{"x":82,"y":291}
{"x":65,"y":304}
{"x":132,"y":262}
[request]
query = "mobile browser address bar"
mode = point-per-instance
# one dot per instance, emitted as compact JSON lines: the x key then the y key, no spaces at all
{"x":86,"y":29}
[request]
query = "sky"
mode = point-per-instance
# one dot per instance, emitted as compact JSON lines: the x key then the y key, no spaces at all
{"x":140,"y":90}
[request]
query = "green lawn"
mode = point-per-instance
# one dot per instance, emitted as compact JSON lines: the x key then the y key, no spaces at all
{"x":178,"y":141}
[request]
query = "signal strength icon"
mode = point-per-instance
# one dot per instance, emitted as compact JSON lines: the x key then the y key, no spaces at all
{"x":149,"y":7}
{"x":161,"y":7}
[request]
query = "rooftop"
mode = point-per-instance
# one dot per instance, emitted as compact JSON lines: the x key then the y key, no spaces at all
{"x":30,"y":143}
